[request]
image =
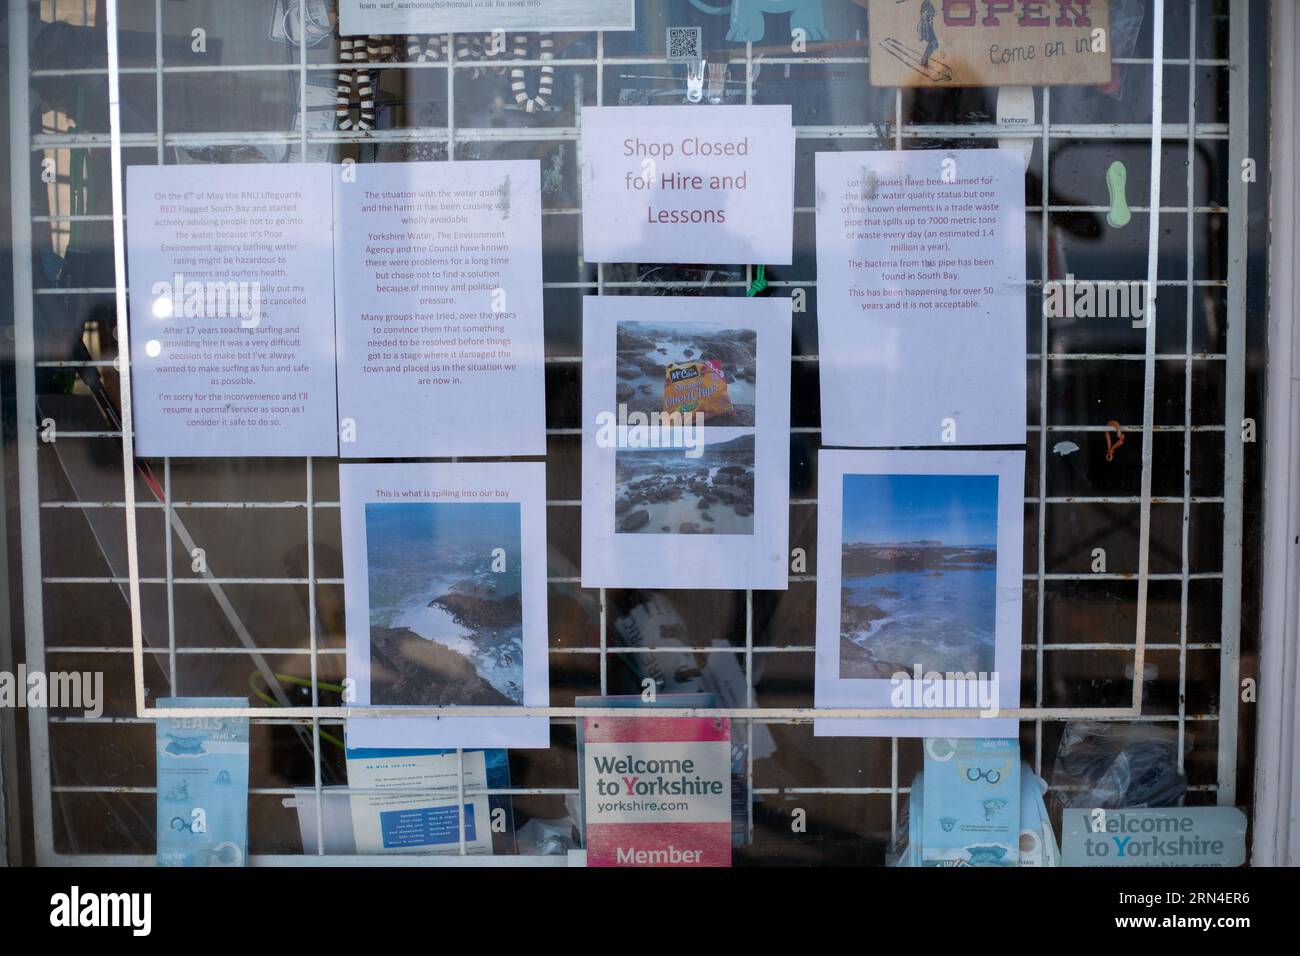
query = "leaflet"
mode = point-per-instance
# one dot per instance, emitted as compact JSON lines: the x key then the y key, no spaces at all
{"x":202,"y":785}
{"x":428,"y":821}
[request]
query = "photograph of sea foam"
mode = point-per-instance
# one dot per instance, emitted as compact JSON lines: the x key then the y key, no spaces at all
{"x":918,"y":582}
{"x":446,"y":611}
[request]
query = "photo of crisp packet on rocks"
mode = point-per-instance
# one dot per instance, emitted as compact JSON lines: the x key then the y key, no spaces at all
{"x":699,"y":386}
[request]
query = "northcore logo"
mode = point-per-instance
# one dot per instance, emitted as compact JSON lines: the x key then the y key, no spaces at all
{"x":102,"y":909}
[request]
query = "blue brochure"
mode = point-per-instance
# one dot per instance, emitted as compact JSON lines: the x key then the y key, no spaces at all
{"x":202,"y":785}
{"x":971,"y":810}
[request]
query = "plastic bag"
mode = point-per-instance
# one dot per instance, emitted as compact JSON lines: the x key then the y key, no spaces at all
{"x":1117,"y":766}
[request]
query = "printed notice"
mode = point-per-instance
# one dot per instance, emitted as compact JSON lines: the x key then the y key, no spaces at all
{"x":919,"y":563}
{"x":357,"y":17}
{"x":685,"y":442}
{"x":440,"y":310}
{"x":232,"y":312}
{"x":658,"y":791}
{"x":687,"y":184}
{"x":423,"y":814}
{"x":444,"y":580}
{"x":921,"y":297}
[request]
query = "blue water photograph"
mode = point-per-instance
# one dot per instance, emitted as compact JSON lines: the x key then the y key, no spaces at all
{"x":918,"y":584}
{"x":446,"y":608}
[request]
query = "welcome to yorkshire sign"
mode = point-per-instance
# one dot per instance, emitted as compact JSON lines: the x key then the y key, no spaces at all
{"x":988,"y":42}
{"x":1167,"y":836}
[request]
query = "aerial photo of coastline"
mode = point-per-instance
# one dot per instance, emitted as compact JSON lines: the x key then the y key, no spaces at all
{"x":661,"y":491}
{"x":918,"y":582}
{"x":705,"y":357}
{"x":446,"y":612}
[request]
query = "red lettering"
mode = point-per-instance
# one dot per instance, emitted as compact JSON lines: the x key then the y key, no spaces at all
{"x":992,"y":8}
{"x":1033,"y":13}
{"x":950,"y":17}
{"x":1079,"y":9}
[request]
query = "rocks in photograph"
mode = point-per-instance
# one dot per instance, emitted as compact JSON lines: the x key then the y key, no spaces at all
{"x":635,"y":521}
{"x":478,"y":612}
{"x":929,"y":556}
{"x":632,"y":341}
{"x":407,"y":669}
{"x":656,"y":480}
{"x":734,"y":348}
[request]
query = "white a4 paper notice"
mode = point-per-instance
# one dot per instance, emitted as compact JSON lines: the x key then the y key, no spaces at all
{"x":687,"y":184}
{"x":232,"y":329}
{"x":685,"y":442}
{"x":444,"y":580}
{"x":921,"y":297}
{"x":439,"y":309}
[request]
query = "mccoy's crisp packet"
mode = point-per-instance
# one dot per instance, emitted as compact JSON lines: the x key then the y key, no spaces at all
{"x":699,"y":386}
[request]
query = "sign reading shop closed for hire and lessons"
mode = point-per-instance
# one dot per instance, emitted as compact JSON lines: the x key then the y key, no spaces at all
{"x":698,"y":184}
{"x":658,"y":791}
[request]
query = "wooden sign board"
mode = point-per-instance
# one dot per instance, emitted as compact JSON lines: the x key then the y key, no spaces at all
{"x":988,"y":42}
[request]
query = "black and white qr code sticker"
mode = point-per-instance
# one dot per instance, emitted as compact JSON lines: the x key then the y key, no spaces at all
{"x":685,"y":43}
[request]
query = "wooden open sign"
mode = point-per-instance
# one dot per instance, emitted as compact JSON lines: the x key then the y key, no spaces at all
{"x":988,"y":42}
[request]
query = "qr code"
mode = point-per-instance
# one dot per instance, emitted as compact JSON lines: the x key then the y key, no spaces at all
{"x":685,"y":43}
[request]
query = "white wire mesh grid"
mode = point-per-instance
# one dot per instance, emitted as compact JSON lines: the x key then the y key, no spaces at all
{"x":1229,"y":576}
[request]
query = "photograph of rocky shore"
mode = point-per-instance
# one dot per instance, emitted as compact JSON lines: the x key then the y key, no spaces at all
{"x":446,"y":613}
{"x":645,"y":350}
{"x":661,"y":491}
{"x":918,"y":575}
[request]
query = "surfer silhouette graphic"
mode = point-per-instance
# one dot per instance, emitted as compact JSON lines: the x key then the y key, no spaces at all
{"x":925,"y":31}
